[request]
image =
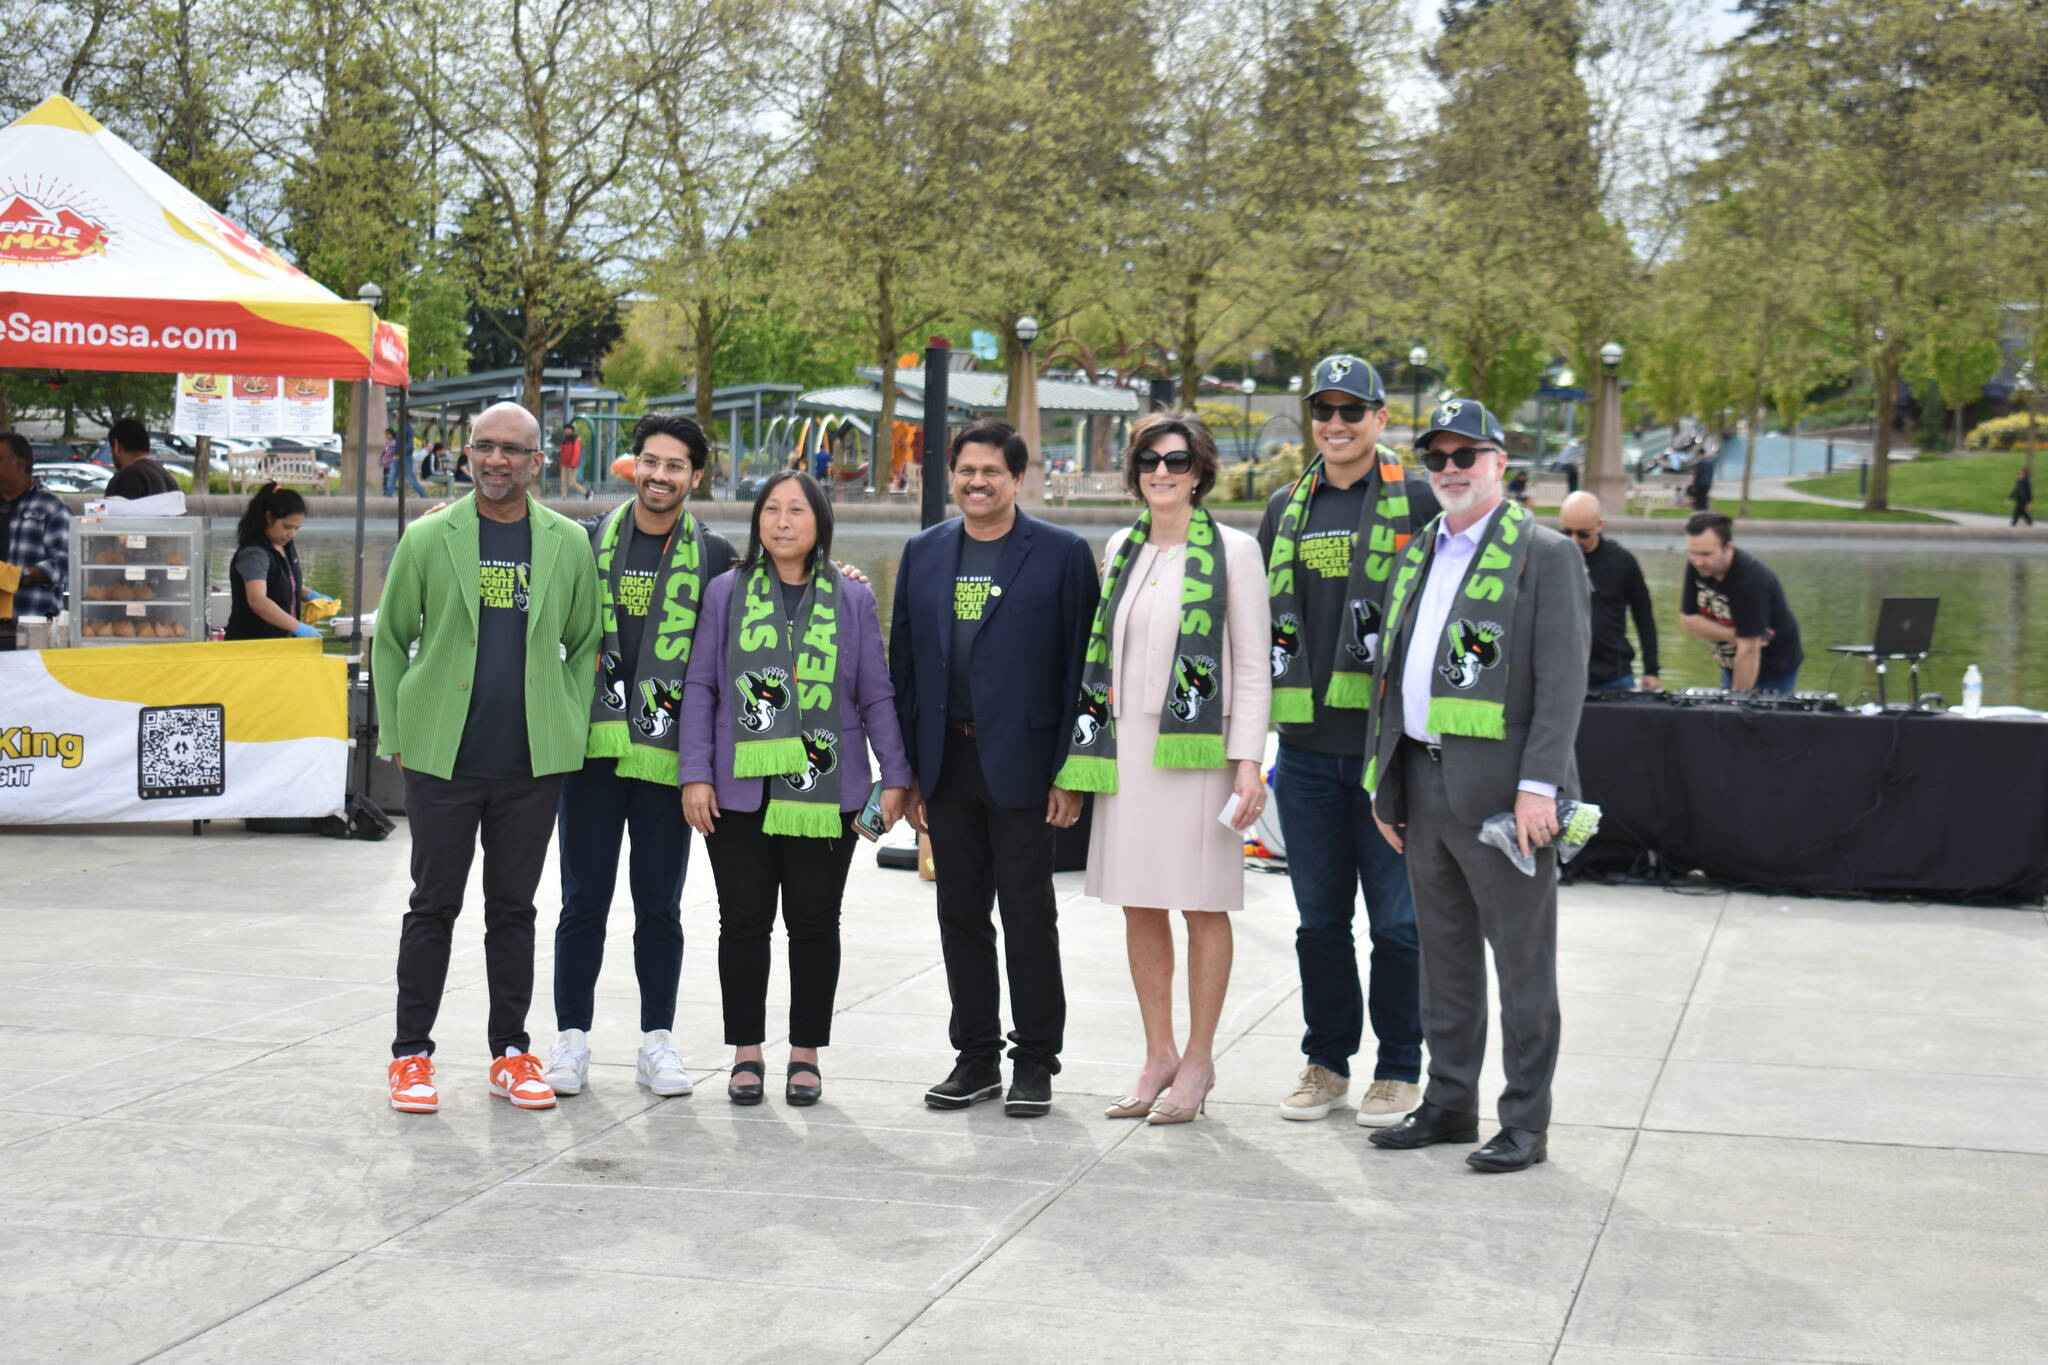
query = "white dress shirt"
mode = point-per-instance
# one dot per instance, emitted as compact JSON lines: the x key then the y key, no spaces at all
{"x":1446,"y":572}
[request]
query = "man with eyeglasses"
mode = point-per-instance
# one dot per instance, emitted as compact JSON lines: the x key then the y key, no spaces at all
{"x":1618,"y":593}
{"x":500,"y":596}
{"x":1330,"y":540}
{"x":1476,"y":708}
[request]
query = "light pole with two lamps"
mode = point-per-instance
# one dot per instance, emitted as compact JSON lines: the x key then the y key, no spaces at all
{"x":1024,"y":405}
{"x":1603,"y":454}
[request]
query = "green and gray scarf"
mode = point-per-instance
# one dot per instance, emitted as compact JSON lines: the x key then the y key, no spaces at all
{"x":1191,"y":720}
{"x":1382,"y":534}
{"x":633,"y":717}
{"x":785,"y":703}
{"x":1468,"y":688}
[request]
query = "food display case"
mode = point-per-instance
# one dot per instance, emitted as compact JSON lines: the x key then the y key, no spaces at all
{"x":137,"y":580}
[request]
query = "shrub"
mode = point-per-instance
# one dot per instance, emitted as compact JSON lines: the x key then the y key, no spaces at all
{"x":2006,"y":433}
{"x":1244,"y":483}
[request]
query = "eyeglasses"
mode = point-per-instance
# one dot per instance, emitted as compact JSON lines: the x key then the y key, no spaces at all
{"x":1580,"y":533}
{"x":483,"y":450}
{"x":1464,"y":457}
{"x":1350,"y":412}
{"x":1176,"y":461}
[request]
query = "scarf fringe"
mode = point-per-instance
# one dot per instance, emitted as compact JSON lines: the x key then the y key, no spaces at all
{"x":1349,"y":692}
{"x":768,"y":757}
{"x":1086,"y":773}
{"x":804,"y":819}
{"x":1293,"y":706}
{"x":1188,"y":751}
{"x":1372,"y":776}
{"x":609,"y":739}
{"x":1467,"y":716}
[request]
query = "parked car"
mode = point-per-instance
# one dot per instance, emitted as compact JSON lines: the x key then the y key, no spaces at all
{"x":72,"y":476}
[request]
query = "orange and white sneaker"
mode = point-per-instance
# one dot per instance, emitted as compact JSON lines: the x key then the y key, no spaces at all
{"x":412,"y":1085}
{"x":517,"y":1076}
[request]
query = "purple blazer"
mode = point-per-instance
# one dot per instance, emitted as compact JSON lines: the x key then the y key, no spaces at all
{"x":867,"y":704}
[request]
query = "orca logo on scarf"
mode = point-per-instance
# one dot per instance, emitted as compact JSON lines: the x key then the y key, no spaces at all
{"x":1471,"y":649}
{"x":613,"y":688}
{"x":1364,"y":644}
{"x":1094,"y":716}
{"x":821,"y":756}
{"x":1194,"y":682}
{"x":660,"y":705}
{"x":762,"y":694}
{"x":522,"y":586}
{"x":1286,"y":642}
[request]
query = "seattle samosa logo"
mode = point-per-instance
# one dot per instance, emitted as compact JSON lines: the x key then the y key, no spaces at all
{"x":47,"y":228}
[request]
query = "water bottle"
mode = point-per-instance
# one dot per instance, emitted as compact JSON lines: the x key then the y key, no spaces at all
{"x":1973,"y":690}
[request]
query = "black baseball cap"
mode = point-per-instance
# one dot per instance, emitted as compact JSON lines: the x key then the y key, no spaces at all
{"x":1348,"y":374}
{"x":1463,"y":417}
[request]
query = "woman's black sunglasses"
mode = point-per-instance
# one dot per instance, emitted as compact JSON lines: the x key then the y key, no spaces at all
{"x":1464,"y":457}
{"x":1176,"y":461}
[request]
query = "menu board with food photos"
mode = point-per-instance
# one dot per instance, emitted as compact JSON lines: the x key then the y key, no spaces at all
{"x":201,"y":405}
{"x":252,"y":405}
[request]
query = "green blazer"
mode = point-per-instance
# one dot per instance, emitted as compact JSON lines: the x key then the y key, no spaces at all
{"x":430,"y":596}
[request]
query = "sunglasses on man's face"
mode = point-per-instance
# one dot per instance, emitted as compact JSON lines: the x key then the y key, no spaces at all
{"x":1464,"y":457}
{"x":1580,"y":532}
{"x":1176,"y":461}
{"x":1350,"y":412}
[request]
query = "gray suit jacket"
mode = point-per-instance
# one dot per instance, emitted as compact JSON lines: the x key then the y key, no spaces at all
{"x":1547,"y":644}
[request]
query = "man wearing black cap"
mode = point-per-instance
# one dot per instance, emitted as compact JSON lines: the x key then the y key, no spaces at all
{"x":1330,"y":541}
{"x":1475,"y":711}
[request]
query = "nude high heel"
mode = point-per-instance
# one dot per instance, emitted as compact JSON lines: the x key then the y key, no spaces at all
{"x":1131,"y":1107}
{"x":1163,"y":1113}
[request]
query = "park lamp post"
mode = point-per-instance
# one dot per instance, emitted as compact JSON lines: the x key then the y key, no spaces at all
{"x":1247,"y":386}
{"x":1603,"y":463}
{"x":1418,"y":358}
{"x":1026,"y":402}
{"x":371,"y":295}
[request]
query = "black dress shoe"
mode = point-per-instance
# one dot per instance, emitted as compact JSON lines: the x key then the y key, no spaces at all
{"x":746,"y":1094}
{"x":1428,"y":1125}
{"x":971,"y":1083}
{"x":1512,"y":1149}
{"x":801,"y":1095}
{"x":1030,"y":1094}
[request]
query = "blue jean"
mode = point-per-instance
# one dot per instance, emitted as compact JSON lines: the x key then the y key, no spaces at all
{"x":1625,"y":683}
{"x":391,"y":478}
{"x":1333,"y":851}
{"x":599,"y":808}
{"x":1783,"y":682}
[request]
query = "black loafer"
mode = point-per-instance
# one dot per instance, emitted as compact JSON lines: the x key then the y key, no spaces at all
{"x":1512,"y":1149}
{"x":792,"y":1093}
{"x":971,"y":1083}
{"x":1427,"y":1126}
{"x":1030,"y":1094}
{"x":746,"y":1094}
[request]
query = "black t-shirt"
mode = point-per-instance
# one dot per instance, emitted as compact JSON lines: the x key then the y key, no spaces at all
{"x":973,"y":590}
{"x":141,"y":479}
{"x":494,"y":740}
{"x":1618,"y":590}
{"x":792,"y":600}
{"x":1323,"y":561}
{"x":640,"y":577}
{"x":1749,"y":598}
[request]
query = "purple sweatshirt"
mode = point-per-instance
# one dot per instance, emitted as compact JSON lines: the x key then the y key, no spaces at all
{"x":867,"y":703}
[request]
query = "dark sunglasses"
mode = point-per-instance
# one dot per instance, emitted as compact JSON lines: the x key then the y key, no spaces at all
{"x":1464,"y":457}
{"x":1176,"y":461}
{"x":1350,"y":412}
{"x":1579,"y":534}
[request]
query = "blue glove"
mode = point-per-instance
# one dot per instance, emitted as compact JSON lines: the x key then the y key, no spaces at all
{"x":305,"y":632}
{"x":312,"y":596}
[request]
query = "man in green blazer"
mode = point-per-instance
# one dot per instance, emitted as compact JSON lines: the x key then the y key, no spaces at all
{"x":500,"y":596}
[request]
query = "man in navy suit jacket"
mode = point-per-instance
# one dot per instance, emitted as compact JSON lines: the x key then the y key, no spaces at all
{"x":991,"y":621}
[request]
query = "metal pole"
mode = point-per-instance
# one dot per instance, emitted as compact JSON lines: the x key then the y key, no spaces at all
{"x":937,"y":360}
{"x":404,"y":456}
{"x":362,"y":397}
{"x":1831,"y":455}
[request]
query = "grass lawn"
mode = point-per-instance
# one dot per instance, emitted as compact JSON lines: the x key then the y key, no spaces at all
{"x":1761,"y":509}
{"x":1972,"y":483}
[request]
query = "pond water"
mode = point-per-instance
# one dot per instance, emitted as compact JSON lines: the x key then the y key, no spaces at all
{"x":1994,"y":599}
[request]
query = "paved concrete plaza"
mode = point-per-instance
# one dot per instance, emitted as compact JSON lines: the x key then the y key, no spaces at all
{"x":1787,"y":1130}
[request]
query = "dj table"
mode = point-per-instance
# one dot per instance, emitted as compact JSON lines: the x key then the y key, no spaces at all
{"x":1903,"y":804}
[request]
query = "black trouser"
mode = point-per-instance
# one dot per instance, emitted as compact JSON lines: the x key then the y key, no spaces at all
{"x":751,"y":867}
{"x":2020,"y":514}
{"x":598,"y":809}
{"x":986,"y":855}
{"x":514,"y":816}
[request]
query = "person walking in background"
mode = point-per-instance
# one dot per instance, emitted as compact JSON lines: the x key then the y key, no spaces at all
{"x":654,"y":563}
{"x":1479,"y":693}
{"x":991,"y":618}
{"x":394,"y":463}
{"x":1172,"y":725}
{"x":781,"y":705}
{"x":501,"y":599}
{"x":1734,"y":602}
{"x":265,"y":586}
{"x":1330,"y":540}
{"x":1619,"y":592}
{"x":2022,"y":498}
{"x":570,"y":455}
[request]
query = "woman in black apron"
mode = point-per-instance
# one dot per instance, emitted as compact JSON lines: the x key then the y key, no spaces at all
{"x":265,"y":586}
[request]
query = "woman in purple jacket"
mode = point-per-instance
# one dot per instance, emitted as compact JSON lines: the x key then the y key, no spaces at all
{"x":786,"y":691}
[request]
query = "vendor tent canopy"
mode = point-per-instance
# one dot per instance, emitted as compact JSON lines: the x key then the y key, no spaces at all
{"x":106,"y":263}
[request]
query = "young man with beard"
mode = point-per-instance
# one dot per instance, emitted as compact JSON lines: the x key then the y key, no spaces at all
{"x":1330,"y":540}
{"x":653,"y":561}
{"x":1476,"y":707}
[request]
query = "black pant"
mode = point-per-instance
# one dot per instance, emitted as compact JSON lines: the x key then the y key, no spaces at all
{"x":514,"y":816}
{"x":986,"y":855}
{"x":2020,"y":514}
{"x":751,"y":867}
{"x":599,"y":808}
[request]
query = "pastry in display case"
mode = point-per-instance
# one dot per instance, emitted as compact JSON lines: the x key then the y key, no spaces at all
{"x":136,"y":580}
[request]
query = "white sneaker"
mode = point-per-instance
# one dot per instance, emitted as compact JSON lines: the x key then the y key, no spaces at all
{"x":569,"y":1064}
{"x":1386,"y":1102}
{"x":659,"y":1069}
{"x":1314,"y":1093}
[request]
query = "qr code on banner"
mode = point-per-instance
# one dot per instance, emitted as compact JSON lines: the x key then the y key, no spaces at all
{"x":183,"y":752}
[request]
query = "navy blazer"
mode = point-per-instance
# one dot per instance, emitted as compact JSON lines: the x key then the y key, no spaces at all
{"x":1026,"y":666}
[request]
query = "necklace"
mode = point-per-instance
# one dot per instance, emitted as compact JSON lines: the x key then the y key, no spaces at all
{"x":1160,"y":558}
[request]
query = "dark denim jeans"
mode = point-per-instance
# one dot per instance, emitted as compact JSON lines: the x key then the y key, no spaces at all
{"x":1333,"y":851}
{"x":598,"y":811}
{"x":1625,"y":683}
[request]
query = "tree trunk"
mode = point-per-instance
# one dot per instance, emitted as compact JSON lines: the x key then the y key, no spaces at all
{"x":886,"y":342}
{"x":1308,"y":377}
{"x":1887,"y":380}
{"x":702,"y":369}
{"x":2027,"y":460}
{"x":1190,"y":356}
{"x":1748,"y":450}
{"x":202,"y":465}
